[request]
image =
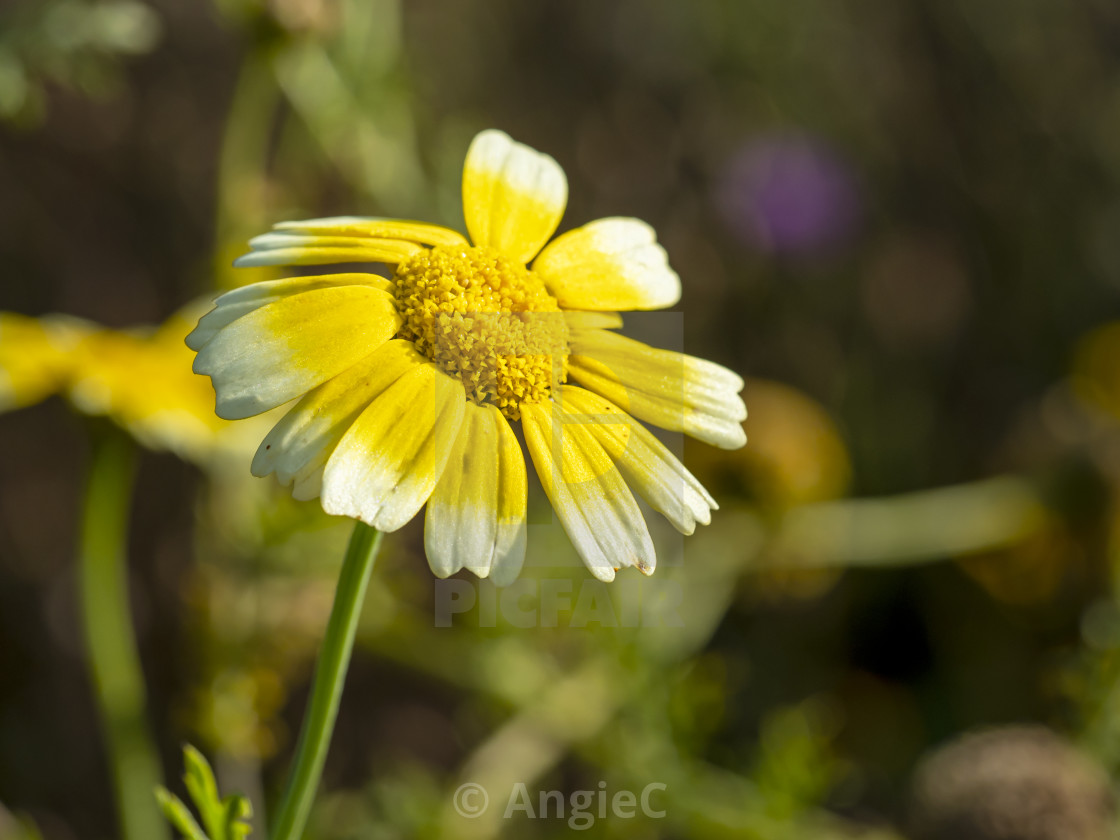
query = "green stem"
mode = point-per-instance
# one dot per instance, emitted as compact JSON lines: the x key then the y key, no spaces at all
{"x":330,"y":674}
{"x":242,"y":168}
{"x":110,"y":645}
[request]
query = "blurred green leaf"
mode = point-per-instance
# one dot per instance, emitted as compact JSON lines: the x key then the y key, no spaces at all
{"x":72,"y":43}
{"x":796,"y":769}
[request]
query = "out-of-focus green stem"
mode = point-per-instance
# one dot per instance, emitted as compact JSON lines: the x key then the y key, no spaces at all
{"x":242,"y":208}
{"x":330,"y":675}
{"x":913,"y":527}
{"x":110,"y":644}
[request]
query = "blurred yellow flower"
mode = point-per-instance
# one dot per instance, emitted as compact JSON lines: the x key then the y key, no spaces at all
{"x":35,"y":356}
{"x":1096,"y":369}
{"x":407,"y":386}
{"x":141,"y":379}
{"x":799,"y":456}
{"x":1031,"y":571}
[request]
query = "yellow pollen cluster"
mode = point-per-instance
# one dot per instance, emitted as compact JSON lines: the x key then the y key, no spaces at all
{"x":487,"y":320}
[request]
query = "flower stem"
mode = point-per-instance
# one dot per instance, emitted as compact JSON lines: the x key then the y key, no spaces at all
{"x":330,"y":674}
{"x":110,"y":644}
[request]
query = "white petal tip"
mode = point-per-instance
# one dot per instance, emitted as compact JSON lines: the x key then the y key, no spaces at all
{"x":441,"y":572}
{"x":602,"y":572}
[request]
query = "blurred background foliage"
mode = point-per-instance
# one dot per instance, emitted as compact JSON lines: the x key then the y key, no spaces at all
{"x":899,"y":220}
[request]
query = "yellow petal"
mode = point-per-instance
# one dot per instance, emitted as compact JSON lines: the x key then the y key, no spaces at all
{"x":476,"y":515}
{"x":513,"y":196}
{"x":361,"y":227}
{"x":282,"y":249}
{"x":609,"y":264}
{"x":300,"y":444}
{"x":578,"y":320}
{"x":35,"y":357}
{"x":509,"y":546}
{"x":287,"y":347}
{"x":645,"y":462}
{"x":244,"y":299}
{"x":677,"y":392}
{"x":588,"y":493}
{"x":388,"y":462}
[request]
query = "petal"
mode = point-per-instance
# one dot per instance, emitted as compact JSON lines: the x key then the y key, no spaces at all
{"x":476,"y":515}
{"x":372,"y":227}
{"x":578,"y":320}
{"x":671,"y":390}
{"x":588,"y":493}
{"x":240,"y":301}
{"x":281,"y":249}
{"x":285,"y":348}
{"x":609,"y":264}
{"x":36,"y":357}
{"x":513,"y":196}
{"x":509,"y":547}
{"x":300,"y":444}
{"x":345,"y":239}
{"x":645,"y":462}
{"x":388,"y":462}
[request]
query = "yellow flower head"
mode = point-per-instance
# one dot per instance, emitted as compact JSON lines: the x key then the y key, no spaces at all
{"x":407,"y":386}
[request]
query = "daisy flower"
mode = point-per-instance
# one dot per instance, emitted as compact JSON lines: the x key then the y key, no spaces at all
{"x":407,"y":387}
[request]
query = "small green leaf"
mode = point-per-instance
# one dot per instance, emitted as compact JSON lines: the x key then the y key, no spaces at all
{"x":225,"y":819}
{"x":178,"y":815}
{"x":203,"y":788}
{"x":238,"y":809}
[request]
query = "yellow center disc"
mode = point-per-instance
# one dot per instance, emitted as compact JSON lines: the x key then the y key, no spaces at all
{"x":488,"y":321}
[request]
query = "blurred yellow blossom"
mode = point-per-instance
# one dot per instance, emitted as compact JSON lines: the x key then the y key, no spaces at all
{"x":141,"y":379}
{"x":239,"y":709}
{"x":35,"y":357}
{"x":1029,"y":572}
{"x":796,"y":456}
{"x":1096,"y":369}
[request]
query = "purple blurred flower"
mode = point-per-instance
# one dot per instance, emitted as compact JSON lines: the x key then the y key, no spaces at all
{"x":790,"y":194}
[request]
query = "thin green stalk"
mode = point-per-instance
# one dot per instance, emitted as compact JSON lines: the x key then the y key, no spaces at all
{"x":110,"y":644}
{"x":330,"y":674}
{"x":243,"y":165}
